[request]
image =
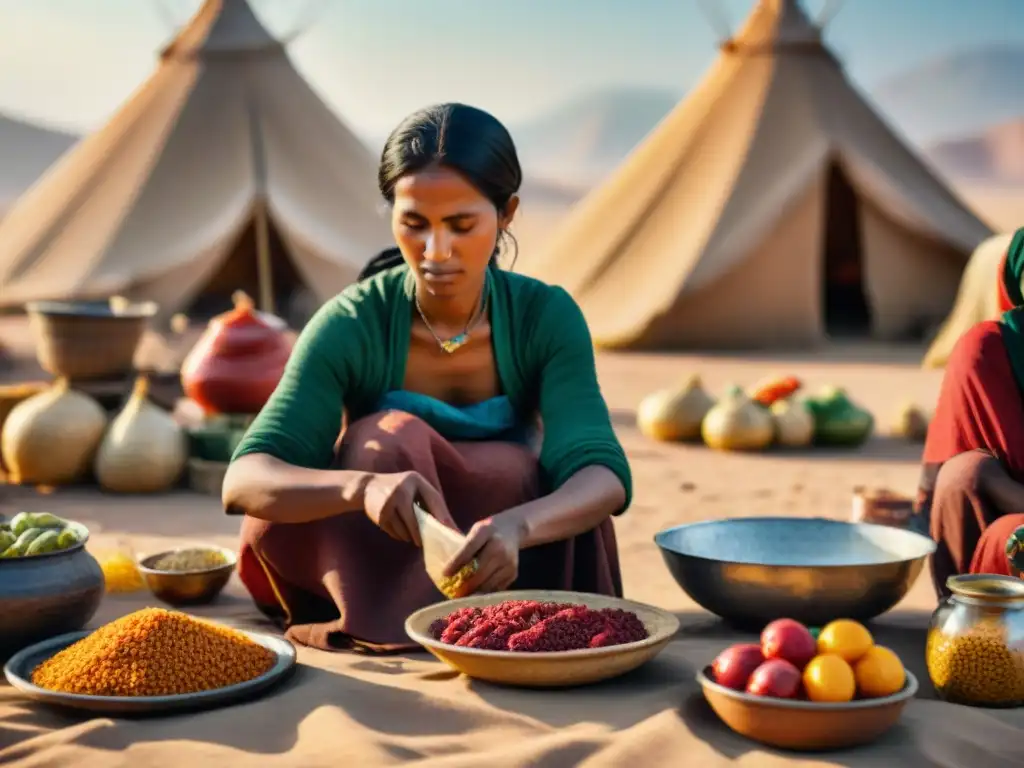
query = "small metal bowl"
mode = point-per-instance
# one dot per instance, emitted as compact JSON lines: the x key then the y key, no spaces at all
{"x":187,"y":587}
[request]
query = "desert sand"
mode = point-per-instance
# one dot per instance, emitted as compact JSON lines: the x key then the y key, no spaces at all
{"x":343,"y":708}
{"x":359,"y":710}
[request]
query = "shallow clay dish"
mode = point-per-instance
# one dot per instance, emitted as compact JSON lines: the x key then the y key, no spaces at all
{"x":805,"y":726}
{"x":557,"y":669}
{"x":18,"y":672}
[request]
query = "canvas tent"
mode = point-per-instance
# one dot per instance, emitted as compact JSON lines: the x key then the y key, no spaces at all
{"x":223,"y":157}
{"x":26,"y":151}
{"x":977,"y":299}
{"x":772,"y":207}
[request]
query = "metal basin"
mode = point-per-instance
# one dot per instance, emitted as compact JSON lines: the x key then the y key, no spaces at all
{"x":750,"y":571}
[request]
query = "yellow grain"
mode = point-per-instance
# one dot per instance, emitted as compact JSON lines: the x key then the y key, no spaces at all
{"x":977,"y":667}
{"x":454,"y":587}
{"x":154,"y":652}
{"x":120,"y":573}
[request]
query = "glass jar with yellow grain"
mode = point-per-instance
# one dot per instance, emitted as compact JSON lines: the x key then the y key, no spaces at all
{"x":975,"y":648}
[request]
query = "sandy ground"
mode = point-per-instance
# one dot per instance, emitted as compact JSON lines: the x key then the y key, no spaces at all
{"x":674,"y":483}
{"x":410,"y":710}
{"x":337,"y":706}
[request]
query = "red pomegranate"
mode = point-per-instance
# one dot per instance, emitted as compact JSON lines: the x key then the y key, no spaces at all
{"x":777,"y":678}
{"x":238,"y":361}
{"x":736,"y":664}
{"x":790,"y":640}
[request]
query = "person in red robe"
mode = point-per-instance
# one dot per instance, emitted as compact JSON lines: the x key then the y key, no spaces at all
{"x":972,"y":483}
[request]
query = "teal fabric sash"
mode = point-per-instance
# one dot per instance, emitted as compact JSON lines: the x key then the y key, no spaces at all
{"x":493,"y":419}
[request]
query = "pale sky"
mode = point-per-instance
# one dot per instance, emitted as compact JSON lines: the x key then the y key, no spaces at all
{"x":72,"y":62}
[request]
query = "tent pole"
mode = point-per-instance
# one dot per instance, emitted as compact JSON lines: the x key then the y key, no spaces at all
{"x":264,"y":274}
{"x":263,"y":270}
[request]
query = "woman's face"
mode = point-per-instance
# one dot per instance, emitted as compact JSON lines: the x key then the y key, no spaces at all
{"x":446,"y":230}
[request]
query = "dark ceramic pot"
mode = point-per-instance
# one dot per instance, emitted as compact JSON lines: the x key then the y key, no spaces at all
{"x":47,"y":595}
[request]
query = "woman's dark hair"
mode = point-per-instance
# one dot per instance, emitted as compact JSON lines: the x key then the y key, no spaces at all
{"x":466,"y":139}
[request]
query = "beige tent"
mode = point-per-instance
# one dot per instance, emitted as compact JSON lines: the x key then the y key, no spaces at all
{"x":26,"y":151}
{"x":772,"y":207}
{"x":223,"y":168}
{"x":977,"y":299}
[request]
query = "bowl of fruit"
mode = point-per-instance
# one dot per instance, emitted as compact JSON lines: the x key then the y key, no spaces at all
{"x":803,"y":690}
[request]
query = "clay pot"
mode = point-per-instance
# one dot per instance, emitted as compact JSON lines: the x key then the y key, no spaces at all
{"x":237,"y":363}
{"x":47,"y":595}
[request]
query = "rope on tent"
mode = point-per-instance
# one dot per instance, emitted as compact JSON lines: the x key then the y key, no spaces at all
{"x":829,"y":11}
{"x":308,"y":16}
{"x":717,"y":18}
{"x":168,"y":16}
{"x":312,"y":13}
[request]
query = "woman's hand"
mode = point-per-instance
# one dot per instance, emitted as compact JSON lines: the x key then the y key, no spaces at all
{"x":494,"y":543}
{"x":388,"y":500}
{"x":996,"y":483}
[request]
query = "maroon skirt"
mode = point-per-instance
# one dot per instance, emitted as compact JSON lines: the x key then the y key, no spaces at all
{"x":969,"y":530}
{"x":343,"y":584}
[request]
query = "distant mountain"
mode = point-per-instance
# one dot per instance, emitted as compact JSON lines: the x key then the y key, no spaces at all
{"x":994,"y":156}
{"x":583,"y":139}
{"x":961,"y":94}
{"x":26,"y":150}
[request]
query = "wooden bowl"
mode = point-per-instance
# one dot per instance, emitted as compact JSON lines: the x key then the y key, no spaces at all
{"x":805,"y":726}
{"x":558,"y":669}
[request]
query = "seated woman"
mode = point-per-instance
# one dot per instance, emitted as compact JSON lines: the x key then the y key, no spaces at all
{"x":972,"y":485}
{"x":441,"y":363}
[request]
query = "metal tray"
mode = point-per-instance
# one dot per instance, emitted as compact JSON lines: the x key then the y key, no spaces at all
{"x":18,"y":672}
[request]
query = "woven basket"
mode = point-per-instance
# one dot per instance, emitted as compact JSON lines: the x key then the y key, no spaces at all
{"x":81,"y":341}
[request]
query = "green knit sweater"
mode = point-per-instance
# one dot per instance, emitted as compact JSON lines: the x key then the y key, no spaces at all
{"x":354,"y":350}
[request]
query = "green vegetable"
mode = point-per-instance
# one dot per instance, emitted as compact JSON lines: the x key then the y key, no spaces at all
{"x":20,"y":547}
{"x":837,"y":420}
{"x":25,"y":520}
{"x":6,"y":539}
{"x":1015,"y":549}
{"x":5,"y":527}
{"x":20,"y":523}
{"x":815,"y":631}
{"x":46,"y":520}
{"x":43,"y":544}
{"x":68,"y":538}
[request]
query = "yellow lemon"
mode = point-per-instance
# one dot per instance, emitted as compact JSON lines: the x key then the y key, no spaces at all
{"x":829,"y":678}
{"x":845,"y":638}
{"x":879,"y":672}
